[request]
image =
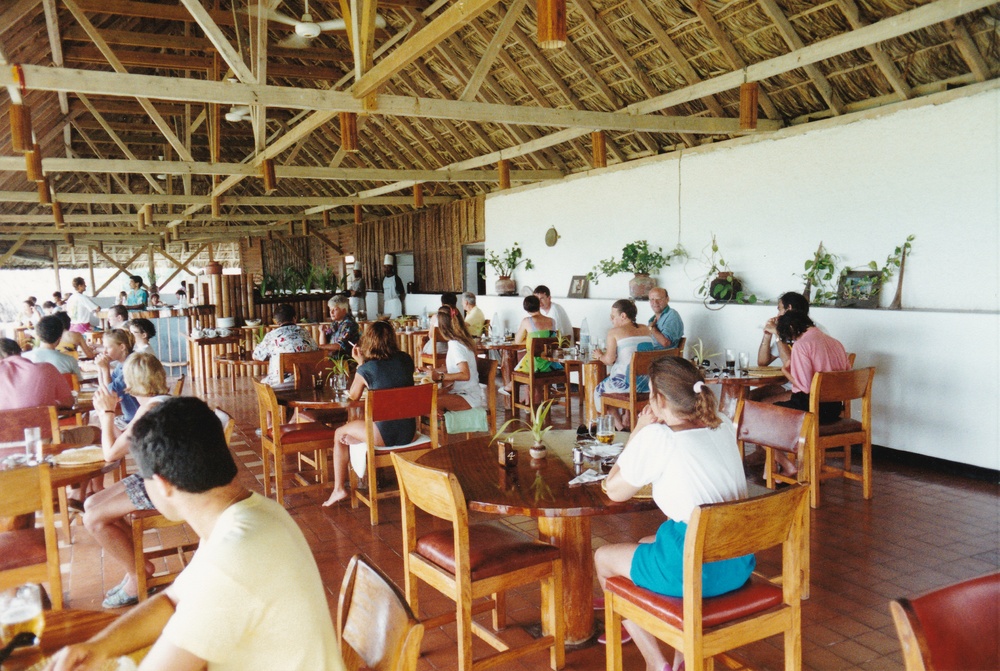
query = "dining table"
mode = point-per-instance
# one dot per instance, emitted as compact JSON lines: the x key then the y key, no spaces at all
{"x":62,"y":628}
{"x":240,"y":364}
{"x":540,"y":488}
{"x":321,"y":404}
{"x":734,"y":388}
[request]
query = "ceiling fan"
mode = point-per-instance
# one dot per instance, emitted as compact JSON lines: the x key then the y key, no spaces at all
{"x":238,"y":113}
{"x":305,"y":28}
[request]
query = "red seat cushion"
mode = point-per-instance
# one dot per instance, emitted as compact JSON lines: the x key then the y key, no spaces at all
{"x":842,"y":425}
{"x":493,"y":550}
{"x":304,"y":432}
{"x":755,"y":596}
{"x":24,"y":547}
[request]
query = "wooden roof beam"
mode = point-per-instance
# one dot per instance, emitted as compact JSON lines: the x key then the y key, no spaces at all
{"x":967,"y":47}
{"x":879,"y":57}
{"x":14,"y":13}
{"x":55,"y":44}
{"x":493,"y":49}
{"x":114,"y":136}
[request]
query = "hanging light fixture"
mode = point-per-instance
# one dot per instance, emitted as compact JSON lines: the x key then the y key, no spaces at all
{"x":551,"y":23}
{"x":418,"y":195}
{"x":20,"y":128}
{"x":349,"y":131}
{"x":748,"y":105}
{"x":503,"y":167}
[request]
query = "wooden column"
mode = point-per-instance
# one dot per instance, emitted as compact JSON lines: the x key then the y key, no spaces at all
{"x":33,"y":163}
{"x":267,"y":172}
{"x":551,"y":23}
{"x":55,"y":265}
{"x":418,"y":195}
{"x":357,"y":215}
{"x":600,"y":149}
{"x":349,"y":131}
{"x":90,"y":265}
{"x":57,"y":215}
{"x":748,"y":106}
{"x":44,"y":192}
{"x":20,"y":128}
{"x":503,"y":167}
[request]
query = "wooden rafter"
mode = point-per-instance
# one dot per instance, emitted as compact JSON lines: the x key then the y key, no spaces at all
{"x":879,"y":57}
{"x":493,"y":48}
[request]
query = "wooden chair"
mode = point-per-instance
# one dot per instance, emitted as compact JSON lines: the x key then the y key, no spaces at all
{"x":278,"y":439}
{"x":533,"y":379}
{"x":14,"y":422}
{"x":142,"y":521}
{"x":704,"y":627}
{"x":955,"y":627}
{"x":633,"y":400}
{"x":77,"y":418}
{"x":773,"y":427}
{"x":843,"y":387}
{"x":386,"y":404}
{"x":434,"y":359}
{"x":29,"y":555}
{"x":467,"y":562}
{"x":178,"y":387}
{"x":681,"y":345}
{"x":486,"y":369}
{"x":369,"y":602}
{"x":288,"y":360}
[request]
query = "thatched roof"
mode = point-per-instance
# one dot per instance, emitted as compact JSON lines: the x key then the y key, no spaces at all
{"x":458,"y":86}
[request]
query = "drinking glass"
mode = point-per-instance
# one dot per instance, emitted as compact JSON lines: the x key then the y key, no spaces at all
{"x":605,"y":429}
{"x":340,"y":384}
{"x":744,"y":363}
{"x":33,"y":443}
{"x":21,"y":610}
{"x":730,"y":361}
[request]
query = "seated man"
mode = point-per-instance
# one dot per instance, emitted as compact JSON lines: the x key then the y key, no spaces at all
{"x":475,"y":320}
{"x":50,"y":332}
{"x":24,"y":384}
{"x":666,"y":326}
{"x":554,"y":310}
{"x":343,"y":333}
{"x":251,"y":598}
{"x":286,"y":339}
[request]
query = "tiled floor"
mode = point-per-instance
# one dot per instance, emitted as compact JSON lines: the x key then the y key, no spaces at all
{"x":922,"y":530}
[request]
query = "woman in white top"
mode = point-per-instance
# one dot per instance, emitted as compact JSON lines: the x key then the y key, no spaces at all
{"x":460,"y":371}
{"x":624,"y":338}
{"x":688,"y":452}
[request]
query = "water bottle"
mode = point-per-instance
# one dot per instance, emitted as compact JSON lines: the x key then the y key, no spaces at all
{"x":496,"y":326}
{"x":584,"y":338}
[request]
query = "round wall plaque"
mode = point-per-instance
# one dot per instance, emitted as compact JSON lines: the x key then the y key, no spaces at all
{"x":551,"y":236}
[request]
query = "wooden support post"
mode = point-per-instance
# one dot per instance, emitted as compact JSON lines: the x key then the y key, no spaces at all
{"x":748,"y":105}
{"x":349,"y":131}
{"x":90,"y":265}
{"x":57,"y":214}
{"x":418,"y":195}
{"x":503,"y":167}
{"x":357,"y":214}
{"x":140,"y":220}
{"x":270,"y":180}
{"x":20,"y":128}
{"x":326,"y":218}
{"x":600,"y":149}
{"x":151,"y":264}
{"x":216,"y":207}
{"x":33,"y":161}
{"x":551,"y":23}
{"x":55,"y":264}
{"x":44,"y":192}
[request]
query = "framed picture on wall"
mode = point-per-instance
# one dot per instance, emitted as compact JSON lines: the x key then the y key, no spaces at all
{"x":578,"y":287}
{"x":859,"y":289}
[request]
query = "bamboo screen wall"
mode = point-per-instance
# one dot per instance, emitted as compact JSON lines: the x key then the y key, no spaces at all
{"x":435,"y":237}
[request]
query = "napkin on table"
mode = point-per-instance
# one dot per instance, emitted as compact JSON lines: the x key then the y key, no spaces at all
{"x":587,"y":477}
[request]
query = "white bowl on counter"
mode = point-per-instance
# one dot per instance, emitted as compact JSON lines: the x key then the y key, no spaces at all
{"x":225,"y":322}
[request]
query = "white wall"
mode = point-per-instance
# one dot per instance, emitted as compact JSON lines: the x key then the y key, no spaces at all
{"x":861,"y":188}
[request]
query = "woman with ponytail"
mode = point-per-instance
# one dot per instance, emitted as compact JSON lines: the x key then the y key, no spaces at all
{"x":688,"y":452}
{"x":463,"y":391}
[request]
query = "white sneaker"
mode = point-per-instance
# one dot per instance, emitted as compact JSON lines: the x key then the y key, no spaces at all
{"x":503,"y":392}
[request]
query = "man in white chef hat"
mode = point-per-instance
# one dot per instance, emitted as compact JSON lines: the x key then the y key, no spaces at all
{"x":392,"y":288}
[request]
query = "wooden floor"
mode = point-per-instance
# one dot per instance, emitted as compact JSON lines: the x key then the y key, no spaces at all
{"x":922,"y":530}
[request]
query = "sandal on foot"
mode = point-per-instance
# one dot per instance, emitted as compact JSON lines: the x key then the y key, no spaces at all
{"x":117,"y":588}
{"x":119,"y":600}
{"x":626,"y":637}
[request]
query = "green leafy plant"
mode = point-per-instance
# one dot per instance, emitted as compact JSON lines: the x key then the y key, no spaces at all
{"x":291,"y":280}
{"x":893,"y":261}
{"x":637,"y":258}
{"x":536,"y":427}
{"x":259,"y":335}
{"x":698,"y":352}
{"x":819,"y":271}
{"x":337,"y":366}
{"x":328,"y":280}
{"x":266,"y":284}
{"x":719,"y":284}
{"x":507,"y":261}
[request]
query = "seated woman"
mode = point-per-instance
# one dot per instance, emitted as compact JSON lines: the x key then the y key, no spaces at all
{"x":812,"y":352}
{"x":118,"y":346}
{"x":143,"y":331}
{"x":688,"y":452}
{"x":381,"y":365}
{"x":72,"y":342}
{"x":624,"y":339}
{"x":343,"y":333}
{"x":103,"y":514}
{"x":535,"y":325}
{"x":460,"y":371}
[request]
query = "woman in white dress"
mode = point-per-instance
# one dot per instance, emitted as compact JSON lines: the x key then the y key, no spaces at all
{"x":624,"y":338}
{"x":463,"y":390}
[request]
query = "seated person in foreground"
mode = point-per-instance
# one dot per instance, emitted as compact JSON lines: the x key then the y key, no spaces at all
{"x":142,"y":330}
{"x":251,"y":598}
{"x":118,"y":344}
{"x":288,"y":338}
{"x":624,"y":339}
{"x":50,"y":331}
{"x":343,"y":333}
{"x":24,"y":384}
{"x":462,"y":390}
{"x":771,"y":348}
{"x":381,"y":365}
{"x":549,"y":309}
{"x":688,"y":451}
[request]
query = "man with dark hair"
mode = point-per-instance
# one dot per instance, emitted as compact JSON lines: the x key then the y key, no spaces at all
{"x":117,"y":316}
{"x":251,"y":598}
{"x":24,"y":384}
{"x":50,"y":331}
{"x":554,"y":310}
{"x":288,"y":337}
{"x":790,"y":300}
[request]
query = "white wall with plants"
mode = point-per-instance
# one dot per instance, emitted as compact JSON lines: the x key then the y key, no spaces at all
{"x":932,"y":171}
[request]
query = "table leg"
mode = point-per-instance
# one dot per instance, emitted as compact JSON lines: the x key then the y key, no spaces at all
{"x":593,"y":373}
{"x":572,"y":536}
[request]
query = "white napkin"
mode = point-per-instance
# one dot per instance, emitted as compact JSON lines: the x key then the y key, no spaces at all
{"x":587,"y":477}
{"x":600,"y":450}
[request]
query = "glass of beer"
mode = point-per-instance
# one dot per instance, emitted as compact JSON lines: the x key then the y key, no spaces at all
{"x":21,"y":610}
{"x":605,"y":429}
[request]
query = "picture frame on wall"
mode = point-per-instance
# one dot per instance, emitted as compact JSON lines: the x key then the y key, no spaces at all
{"x":859,"y":289}
{"x":578,"y":287}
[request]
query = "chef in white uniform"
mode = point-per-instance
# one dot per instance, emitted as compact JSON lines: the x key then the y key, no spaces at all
{"x":392,"y":289}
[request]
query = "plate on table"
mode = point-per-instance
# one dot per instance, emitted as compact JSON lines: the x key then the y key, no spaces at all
{"x":645,"y":492}
{"x":764,"y":371}
{"x":80,"y":456}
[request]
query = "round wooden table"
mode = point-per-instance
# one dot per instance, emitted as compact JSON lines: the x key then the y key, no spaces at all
{"x":322,"y":404}
{"x":734,"y":388}
{"x":62,"y":628}
{"x":541,"y":489}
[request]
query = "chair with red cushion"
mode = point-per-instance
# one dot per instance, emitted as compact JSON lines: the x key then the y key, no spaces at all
{"x":704,"y":627}
{"x":955,"y":627}
{"x":466,"y":563}
{"x":279,"y":439}
{"x":29,"y":555}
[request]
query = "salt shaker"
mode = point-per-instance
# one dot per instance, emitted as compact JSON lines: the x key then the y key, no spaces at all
{"x":577,"y":454}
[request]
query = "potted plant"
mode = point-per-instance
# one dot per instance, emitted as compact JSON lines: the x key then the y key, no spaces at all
{"x":698,"y":354}
{"x":536,"y":427}
{"x":338,"y":372}
{"x":818,"y":271}
{"x":640,"y":260}
{"x":504,"y":264}
{"x":719,"y":284}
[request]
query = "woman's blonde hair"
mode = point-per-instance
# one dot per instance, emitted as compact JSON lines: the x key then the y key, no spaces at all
{"x":121,"y":337}
{"x":682,"y":385}
{"x":144,"y":375}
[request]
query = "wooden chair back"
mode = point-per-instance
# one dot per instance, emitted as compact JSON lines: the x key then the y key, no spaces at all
{"x":537,"y":347}
{"x":25,"y":491}
{"x":368,"y":603}
{"x":287,"y":360}
{"x":178,"y":387}
{"x":955,"y":627}
{"x":639,"y":365}
{"x":434,"y":358}
{"x":433,"y":491}
{"x":268,"y":410}
{"x":487,"y":371}
{"x":773,"y":426}
{"x":72,"y":380}
{"x":681,"y":345}
{"x":14,"y":422}
{"x":228,"y":423}
{"x":843,"y":386}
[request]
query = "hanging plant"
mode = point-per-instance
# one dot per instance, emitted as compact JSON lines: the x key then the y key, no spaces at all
{"x":720,"y":285}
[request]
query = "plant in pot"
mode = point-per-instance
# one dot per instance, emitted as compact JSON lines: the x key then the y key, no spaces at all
{"x":504,"y":264}
{"x":336,"y":374}
{"x":640,"y":260}
{"x":536,"y":427}
{"x":698,"y":355}
{"x":819,"y":271}
{"x":719,"y":284}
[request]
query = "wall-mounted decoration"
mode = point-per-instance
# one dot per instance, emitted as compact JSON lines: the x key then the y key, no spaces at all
{"x":551,"y":237}
{"x":578,"y":287}
{"x":859,"y":289}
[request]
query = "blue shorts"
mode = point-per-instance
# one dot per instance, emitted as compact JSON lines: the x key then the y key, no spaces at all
{"x":659,"y":566}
